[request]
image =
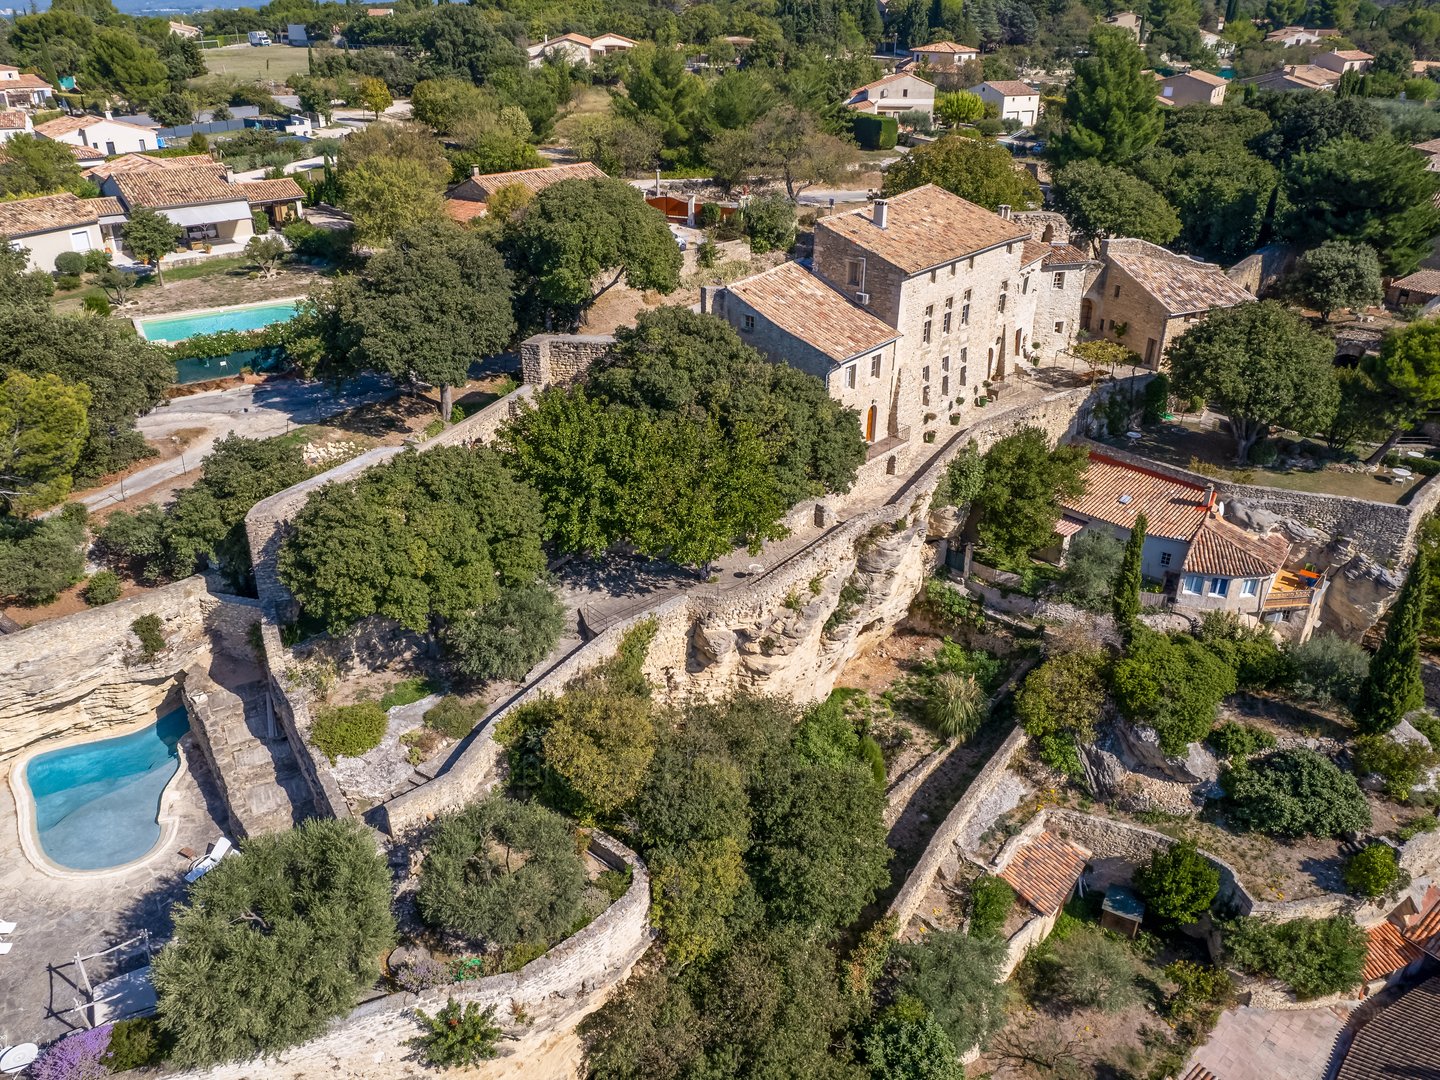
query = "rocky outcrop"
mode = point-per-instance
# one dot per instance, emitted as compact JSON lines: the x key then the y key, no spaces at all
{"x":1126,"y":765}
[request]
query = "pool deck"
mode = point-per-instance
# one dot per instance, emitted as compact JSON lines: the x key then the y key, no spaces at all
{"x":139,"y":320}
{"x":57,"y":917}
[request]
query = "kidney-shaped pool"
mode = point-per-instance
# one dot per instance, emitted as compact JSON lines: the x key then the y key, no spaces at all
{"x":97,"y":804}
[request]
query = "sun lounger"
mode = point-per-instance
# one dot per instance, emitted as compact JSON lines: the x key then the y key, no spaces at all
{"x":203,"y":866}
{"x":4,"y":947}
{"x":6,"y":928}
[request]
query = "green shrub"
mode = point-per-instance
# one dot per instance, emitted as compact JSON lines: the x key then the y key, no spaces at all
{"x":875,"y":132}
{"x":1328,"y":670}
{"x":502,"y":872}
{"x":1090,"y":969}
{"x":1091,"y":567}
{"x":946,"y":606}
{"x":134,"y":1044}
{"x":454,"y":717}
{"x":150,"y":631}
{"x":770,"y":223}
{"x":96,"y":260}
{"x":1314,"y":956}
{"x":70,"y":263}
{"x":39,"y":557}
{"x":1250,"y":651}
{"x":1374,"y":871}
{"x":1059,"y":703}
{"x":1293,"y":793}
{"x":1201,"y":994}
{"x":954,"y":704}
{"x":991,"y":898}
{"x":1173,"y":685}
{"x":350,"y":730}
{"x":68,"y":282}
{"x":458,"y":1034}
{"x":407,"y":692}
{"x":1400,"y":765}
{"x":1178,"y":884}
{"x":95,"y":305}
{"x":1232,"y":740}
{"x":508,"y":636}
{"x":706,"y":254}
{"x":906,"y":1042}
{"x":955,"y":977}
{"x":102,"y":588}
{"x":870,"y":753}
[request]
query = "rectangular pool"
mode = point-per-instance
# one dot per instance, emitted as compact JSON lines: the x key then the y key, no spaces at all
{"x":172,"y":328}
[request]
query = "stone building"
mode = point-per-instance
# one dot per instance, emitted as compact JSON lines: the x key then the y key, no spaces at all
{"x":1146,"y":296}
{"x":914,"y":309}
{"x":1192,"y":88}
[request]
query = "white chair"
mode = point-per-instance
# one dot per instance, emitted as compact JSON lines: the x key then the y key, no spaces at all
{"x":203,"y":866}
{"x":15,"y":1058}
{"x":4,"y":947}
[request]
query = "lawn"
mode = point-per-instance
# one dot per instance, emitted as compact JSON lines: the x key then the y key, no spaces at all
{"x":270,"y":63}
{"x":1185,"y":443}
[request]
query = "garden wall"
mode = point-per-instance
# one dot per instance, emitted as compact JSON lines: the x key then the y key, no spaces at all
{"x":550,"y":994}
{"x":83,"y":673}
{"x":550,"y":359}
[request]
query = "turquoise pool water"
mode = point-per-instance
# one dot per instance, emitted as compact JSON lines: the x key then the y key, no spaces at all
{"x":179,"y":327}
{"x":97,"y":804}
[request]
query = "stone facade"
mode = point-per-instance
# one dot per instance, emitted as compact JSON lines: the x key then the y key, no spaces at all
{"x":551,"y":359}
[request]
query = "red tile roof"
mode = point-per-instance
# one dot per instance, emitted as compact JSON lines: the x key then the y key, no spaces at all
{"x":1423,"y":281}
{"x":1012,"y":88}
{"x":160,"y":189}
{"x":1424,"y":932}
{"x":1387,"y":951}
{"x":925,"y":227}
{"x":12,"y":120}
{"x":261,"y":192}
{"x":1402,"y":1040}
{"x":144,"y":163}
{"x":31,"y":217}
{"x":1225,"y":550}
{"x":68,"y":125}
{"x":944,"y":47}
{"x":1033,"y":252}
{"x":464,"y":210}
{"x":25,"y":82}
{"x":1115,"y":492}
{"x":1044,"y":871}
{"x":803,"y":305}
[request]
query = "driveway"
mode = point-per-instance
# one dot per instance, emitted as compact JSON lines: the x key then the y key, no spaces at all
{"x":1272,"y":1044}
{"x":257,"y":412}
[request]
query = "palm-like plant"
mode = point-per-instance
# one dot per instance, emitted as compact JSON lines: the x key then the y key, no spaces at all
{"x":955,"y":704}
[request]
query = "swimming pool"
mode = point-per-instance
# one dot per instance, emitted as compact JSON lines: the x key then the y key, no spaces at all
{"x":97,"y":804}
{"x":173,"y":328}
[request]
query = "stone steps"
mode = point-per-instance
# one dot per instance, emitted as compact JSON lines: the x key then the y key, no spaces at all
{"x":254,"y":764}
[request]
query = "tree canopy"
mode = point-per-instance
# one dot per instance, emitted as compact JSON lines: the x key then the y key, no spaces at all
{"x":1339,"y":274}
{"x":1111,"y":114}
{"x":1103,"y":200}
{"x":1016,"y":510}
{"x":1293,"y":793}
{"x":43,"y":425}
{"x":983,"y":172}
{"x":1261,"y":366}
{"x":1172,"y":684}
{"x":1392,"y":686}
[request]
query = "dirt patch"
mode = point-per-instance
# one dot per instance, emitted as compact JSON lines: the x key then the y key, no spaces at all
{"x":228,"y":286}
{"x":66,"y":603}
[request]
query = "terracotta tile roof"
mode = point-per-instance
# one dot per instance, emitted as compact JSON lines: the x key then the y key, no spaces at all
{"x":1431,"y":146}
{"x":1172,"y":508}
{"x":30,"y":217}
{"x":1204,"y":77}
{"x":83,"y":154}
{"x":1424,"y":932}
{"x":1012,"y":88}
{"x":1044,"y":871}
{"x":1402,"y":1040}
{"x":803,"y":305}
{"x":107,"y":206}
{"x":12,"y":120}
{"x":1033,"y":252}
{"x":944,"y":47}
{"x":68,"y":125}
{"x":482,"y":188}
{"x":464,"y":210}
{"x":8,"y":67}
{"x":144,"y":163}
{"x":1066,"y":255}
{"x":1300,"y":76}
{"x":25,"y":82}
{"x":925,"y":227}
{"x":1225,"y":550}
{"x":163,"y":188}
{"x":259,"y":192}
{"x":1180,"y":284}
{"x":1351,"y":54}
{"x":1387,"y":951}
{"x":888,"y":79}
{"x":1426,"y":281}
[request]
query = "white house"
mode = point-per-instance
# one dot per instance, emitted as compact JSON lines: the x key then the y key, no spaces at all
{"x":20,"y":91}
{"x":1343,"y":60}
{"x":103,"y":133}
{"x":1127,"y":21}
{"x":14,"y":122}
{"x":579,"y":49}
{"x":943,"y":55}
{"x":185,"y":30}
{"x":1290,"y":36}
{"x":1017,"y":100}
{"x":893,"y":95}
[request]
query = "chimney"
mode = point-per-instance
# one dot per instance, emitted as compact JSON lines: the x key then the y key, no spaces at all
{"x":109,"y":115}
{"x":882,"y":213}
{"x":1003,"y":210}
{"x":1209,"y":496}
{"x":474,"y":170}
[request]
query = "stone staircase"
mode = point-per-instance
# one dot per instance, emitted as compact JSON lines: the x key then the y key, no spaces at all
{"x":251,"y":759}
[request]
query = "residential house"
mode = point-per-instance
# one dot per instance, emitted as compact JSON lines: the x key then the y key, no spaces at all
{"x":1203,"y":561}
{"x":1401,"y":1039}
{"x":51,"y":225}
{"x":1126,"y":20}
{"x":101,"y":171}
{"x":1016,"y":100}
{"x":280,"y":200}
{"x":1222,"y":48}
{"x":103,"y":133}
{"x":23,"y":91}
{"x":14,"y":122}
{"x":1193,"y":87}
{"x":1342,"y":60}
{"x":894,"y":95}
{"x":579,"y":49}
{"x":1290,"y":36}
{"x":185,"y":30}
{"x":1146,"y":296}
{"x":1420,"y":288}
{"x":961,"y":292}
{"x":1431,"y":150}
{"x":1308,"y":78}
{"x":467,"y":200}
{"x":943,"y":55}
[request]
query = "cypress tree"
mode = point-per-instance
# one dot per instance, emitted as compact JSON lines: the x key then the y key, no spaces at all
{"x":1125,"y":601}
{"x":1392,"y":687}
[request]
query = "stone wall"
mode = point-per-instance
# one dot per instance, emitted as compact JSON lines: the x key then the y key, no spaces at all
{"x":84,"y":673}
{"x":550,"y":994}
{"x":556,"y":359}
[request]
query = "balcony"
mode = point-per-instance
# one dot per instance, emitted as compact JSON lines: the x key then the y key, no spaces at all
{"x":881,"y":447}
{"x":1292,"y":589}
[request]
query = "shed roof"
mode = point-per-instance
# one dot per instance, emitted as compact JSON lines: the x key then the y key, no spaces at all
{"x":1425,"y":281}
{"x":1116,"y":491}
{"x":1044,"y":871}
{"x":925,"y":227}
{"x":1401,"y":1040}
{"x":1225,"y":550}
{"x":1122,"y":901}
{"x":803,"y":305}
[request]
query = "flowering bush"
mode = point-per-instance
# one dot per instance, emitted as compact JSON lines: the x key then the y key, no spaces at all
{"x":75,"y":1057}
{"x":421,"y":973}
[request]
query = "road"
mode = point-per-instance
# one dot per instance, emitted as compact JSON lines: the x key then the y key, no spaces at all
{"x":257,"y":412}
